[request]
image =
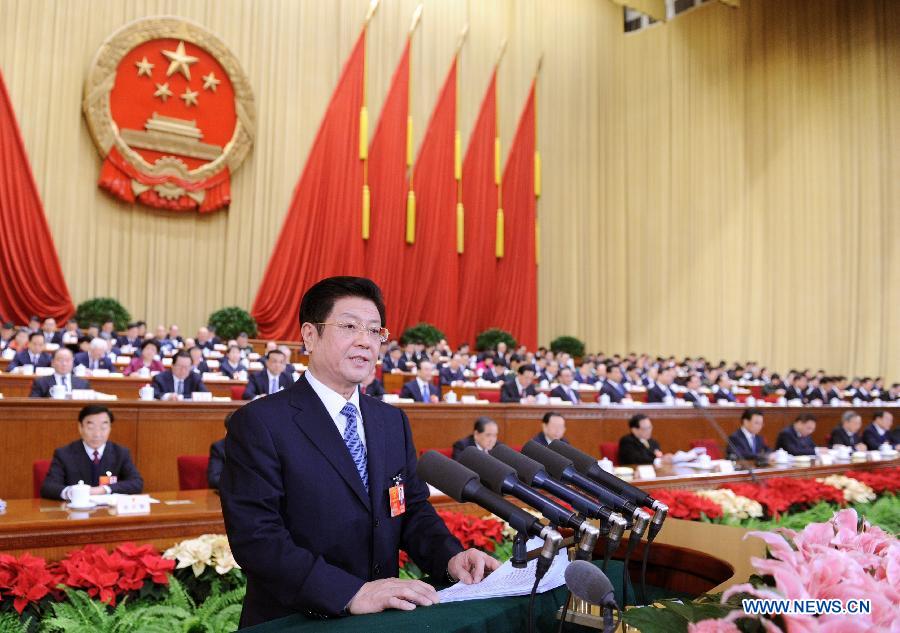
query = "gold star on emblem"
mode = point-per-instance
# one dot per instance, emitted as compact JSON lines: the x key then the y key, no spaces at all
{"x":190,"y":97}
{"x":162,"y":91}
{"x":179,"y":61}
{"x":144,"y":67}
{"x":210,"y":82}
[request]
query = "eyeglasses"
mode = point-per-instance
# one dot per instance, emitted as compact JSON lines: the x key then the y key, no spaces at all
{"x":352,"y":329}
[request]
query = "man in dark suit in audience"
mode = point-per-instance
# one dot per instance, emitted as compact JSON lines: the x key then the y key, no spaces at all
{"x":422,"y":388}
{"x":51,"y":334}
{"x":393,"y":360}
{"x":34,"y":355}
{"x":453,"y":371}
{"x":204,"y":340}
{"x":847,"y":432}
{"x":585,"y":375}
{"x":270,"y":380}
{"x":879,"y":431}
{"x":96,"y":356}
{"x":7,"y":333}
{"x":722,"y":390}
{"x":863,"y":392}
{"x":819,"y":391}
{"x":179,"y":382}
{"x":746,"y":442}
{"x":797,"y":391}
{"x":521,"y":388}
{"x":217,"y":459}
{"x":305,"y":490}
{"x":566,"y":387}
{"x":372,"y":387}
{"x":484,"y":436}
{"x":130,"y":338}
{"x":797,"y":439}
{"x":638,"y":447}
{"x":62,"y":376}
{"x":94,"y":460}
{"x":662,"y":389}
{"x":553,"y":427}
{"x":693,"y":394}
{"x":613,"y":386}
{"x":198,"y":363}
{"x":492,"y":372}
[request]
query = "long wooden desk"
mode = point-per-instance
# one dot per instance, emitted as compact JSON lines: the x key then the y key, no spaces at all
{"x":46,"y":528}
{"x":123,"y":387}
{"x":158,"y":432}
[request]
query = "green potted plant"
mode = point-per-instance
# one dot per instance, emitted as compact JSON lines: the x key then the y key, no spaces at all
{"x":101,"y":309}
{"x":572,"y":346}
{"x":231,"y":321}
{"x":488,"y":339}
{"x":423,"y":333}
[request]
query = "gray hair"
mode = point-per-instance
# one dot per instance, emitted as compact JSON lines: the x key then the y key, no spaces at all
{"x":849,"y":415}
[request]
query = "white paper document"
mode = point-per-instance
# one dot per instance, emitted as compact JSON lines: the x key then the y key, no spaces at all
{"x":509,"y":581}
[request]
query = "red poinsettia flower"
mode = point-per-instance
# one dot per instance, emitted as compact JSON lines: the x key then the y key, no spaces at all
{"x":27,"y":579}
{"x":881,"y":482}
{"x":684,"y":504}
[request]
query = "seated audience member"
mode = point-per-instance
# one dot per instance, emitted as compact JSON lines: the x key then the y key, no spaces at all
{"x":818,"y":392}
{"x":492,"y":372}
{"x":95,"y":357}
{"x":408,"y":358}
{"x":892,"y":394}
{"x":270,"y":380}
{"x":797,"y":439}
{"x":746,"y":442}
{"x":233,"y":362}
{"x":722,"y":390}
{"x":847,"y":432}
{"x":613,"y":386}
{"x":422,"y":389}
{"x":51,"y":335}
{"x":204,"y":340}
{"x":372,"y":387}
{"x":393,"y":360}
{"x":585,"y":375}
{"x":72,"y":332}
{"x":638,"y":447}
{"x":212,"y":335}
{"x":34,"y":355}
{"x":662,"y":389}
{"x":94,"y":460}
{"x":173,"y":334}
{"x":243,"y":343}
{"x":566,"y":388}
{"x":148,"y":359}
{"x":130,"y":340}
{"x":797,"y":391}
{"x":633,"y":376}
{"x":217,"y":458}
{"x":501,"y":354}
{"x":863,"y":391}
{"x":453,"y":371}
{"x":107,"y":331}
{"x":179,"y":382}
{"x":198,"y":364}
{"x":7,"y":334}
{"x":879,"y":431}
{"x":62,"y":375}
{"x":693,"y":394}
{"x":484,"y":436}
{"x":521,"y":388}
{"x":550,"y":373}
{"x":34,"y":324}
{"x":553,"y":427}
{"x":17,"y":344}
{"x":775,"y":387}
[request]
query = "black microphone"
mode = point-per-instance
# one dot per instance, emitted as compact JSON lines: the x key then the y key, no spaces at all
{"x":534,"y":474}
{"x":563,"y":468}
{"x":590,"y":584}
{"x":460,"y":483}
{"x":588,"y":466}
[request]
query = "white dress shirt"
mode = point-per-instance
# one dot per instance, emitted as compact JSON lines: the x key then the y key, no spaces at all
{"x":334,"y":402}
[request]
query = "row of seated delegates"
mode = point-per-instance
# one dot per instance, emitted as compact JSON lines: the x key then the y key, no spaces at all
{"x":93,"y":459}
{"x":639,"y":447}
{"x":179,"y":382}
{"x":272,"y":379}
{"x":485,"y":430}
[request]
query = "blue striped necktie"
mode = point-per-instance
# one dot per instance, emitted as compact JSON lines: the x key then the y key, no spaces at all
{"x":355,"y":445}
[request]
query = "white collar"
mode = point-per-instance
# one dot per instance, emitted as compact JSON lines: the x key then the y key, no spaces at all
{"x":332,"y":400}
{"x":750,"y":437}
{"x":90,"y":451}
{"x":881,"y":432}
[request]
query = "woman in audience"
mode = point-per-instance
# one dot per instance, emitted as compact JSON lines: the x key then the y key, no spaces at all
{"x":147,"y":359}
{"x":233,"y":363}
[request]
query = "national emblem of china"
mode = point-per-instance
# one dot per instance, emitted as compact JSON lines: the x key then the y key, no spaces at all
{"x":172,"y":114}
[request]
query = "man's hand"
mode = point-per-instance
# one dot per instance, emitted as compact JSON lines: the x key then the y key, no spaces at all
{"x":392,"y":593}
{"x":861,"y":447}
{"x":471,"y":566}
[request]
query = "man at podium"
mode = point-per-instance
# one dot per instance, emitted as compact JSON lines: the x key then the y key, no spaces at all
{"x":319,"y":490}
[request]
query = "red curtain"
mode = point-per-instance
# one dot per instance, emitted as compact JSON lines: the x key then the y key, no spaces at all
{"x":430,"y":264}
{"x":386,"y":246}
{"x":322,"y":233}
{"x":31,"y":278}
{"x":478,"y":308}
{"x":516,"y":280}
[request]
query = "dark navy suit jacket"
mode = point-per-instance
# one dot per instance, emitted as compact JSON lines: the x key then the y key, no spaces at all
{"x":40,"y":388}
{"x":658,"y":392}
{"x":722,"y":394}
{"x":83,"y":358}
{"x":509,"y":392}
{"x":448,"y":375}
{"x":374,"y":390}
{"x":71,"y":464}
{"x":216,"y":463}
{"x":840,"y":436}
{"x":740,"y":448}
{"x":300,"y":523}
{"x":411,"y":390}
{"x":24,"y":358}
{"x":164,"y":383}
{"x":460,"y":445}
{"x":560,"y":392}
{"x":615,"y":395}
{"x":540,"y":439}
{"x":873,"y":440}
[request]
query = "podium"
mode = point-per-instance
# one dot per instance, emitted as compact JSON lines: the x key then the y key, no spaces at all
{"x":673,"y":571}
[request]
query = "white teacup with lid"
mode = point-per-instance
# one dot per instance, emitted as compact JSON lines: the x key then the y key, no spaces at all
{"x":80,"y":495}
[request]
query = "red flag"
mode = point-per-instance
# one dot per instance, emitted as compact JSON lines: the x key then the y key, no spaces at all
{"x":388,"y":184}
{"x":478,"y":308}
{"x":31,"y":278}
{"x":430,"y":291}
{"x":516,"y":280}
{"x":321,"y":232}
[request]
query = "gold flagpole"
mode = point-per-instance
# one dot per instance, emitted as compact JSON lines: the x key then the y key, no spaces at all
{"x":537,"y":167}
{"x":411,"y":194}
{"x":457,"y":154}
{"x":498,"y":176}
{"x":364,"y":128}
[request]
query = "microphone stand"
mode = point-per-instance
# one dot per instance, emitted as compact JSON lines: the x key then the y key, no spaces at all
{"x":552,"y":542}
